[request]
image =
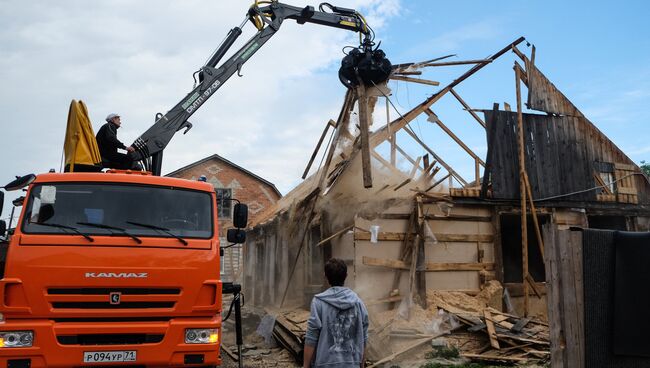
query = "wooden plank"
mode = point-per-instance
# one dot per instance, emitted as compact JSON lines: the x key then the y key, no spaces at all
{"x":382,"y":134}
{"x":466,"y":106}
{"x":387,"y":164}
{"x":402,"y":351}
{"x":533,"y":211}
{"x":338,"y":233}
{"x":320,"y":142}
{"x":451,"y":238}
{"x":438,"y":158}
{"x":415,"y":168}
{"x":343,"y":118}
{"x":451,"y":217}
{"x":414,"y":80}
{"x":420,"y":259}
{"x":364,"y":122}
{"x":522,"y":189}
{"x":492,"y":333}
{"x":440,"y":181}
{"x":626,"y":167}
{"x":462,"y":62}
{"x":494,"y":358}
{"x":428,"y":267}
{"x":516,"y":289}
{"x":453,"y":136}
{"x":623,"y":190}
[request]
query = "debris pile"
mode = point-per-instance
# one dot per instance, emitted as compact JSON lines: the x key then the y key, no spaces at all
{"x":456,"y":327}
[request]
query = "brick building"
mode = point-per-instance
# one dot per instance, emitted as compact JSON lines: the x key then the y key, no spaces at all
{"x":231,"y":181}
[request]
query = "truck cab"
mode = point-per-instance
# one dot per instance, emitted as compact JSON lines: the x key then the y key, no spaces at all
{"x":112,"y":269}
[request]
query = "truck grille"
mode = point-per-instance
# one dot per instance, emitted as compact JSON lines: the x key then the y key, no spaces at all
{"x":107,"y":305}
{"x":95,"y":298}
{"x":110,"y":339}
{"x":106,"y":291}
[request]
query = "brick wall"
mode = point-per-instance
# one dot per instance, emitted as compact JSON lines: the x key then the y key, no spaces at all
{"x":256,"y":193}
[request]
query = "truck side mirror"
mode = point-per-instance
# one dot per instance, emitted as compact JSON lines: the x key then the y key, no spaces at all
{"x":240,"y":216}
{"x":236,"y":236}
{"x":20,"y":182}
{"x":3,"y":227}
{"x":2,"y":201}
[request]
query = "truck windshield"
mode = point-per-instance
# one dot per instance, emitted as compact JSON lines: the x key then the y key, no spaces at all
{"x":117,"y":210}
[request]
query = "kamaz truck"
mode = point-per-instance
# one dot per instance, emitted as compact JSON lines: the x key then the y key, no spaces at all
{"x":112,"y":269}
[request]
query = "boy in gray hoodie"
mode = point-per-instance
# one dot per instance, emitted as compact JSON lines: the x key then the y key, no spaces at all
{"x":337,"y":330}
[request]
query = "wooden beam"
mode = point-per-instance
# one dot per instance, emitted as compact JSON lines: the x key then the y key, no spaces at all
{"x":466,"y":106}
{"x":408,"y":73}
{"x":382,"y":134}
{"x":415,"y":168}
{"x":438,"y":182}
{"x":492,"y":332}
{"x":522,"y":73}
{"x":533,"y":286}
{"x":451,"y":217}
{"x":414,"y":80}
{"x":320,"y":141}
{"x":438,"y":158}
{"x":428,"y":267}
{"x":493,"y":358}
{"x":454,"y":137}
{"x":533,"y":211}
{"x":403,"y":153}
{"x":343,"y":118}
{"x":462,"y":62}
{"x":522,"y":190}
{"x":450,"y":238}
{"x":516,"y":289}
{"x":387,"y":164}
{"x":362,"y":100}
{"x":338,"y":233}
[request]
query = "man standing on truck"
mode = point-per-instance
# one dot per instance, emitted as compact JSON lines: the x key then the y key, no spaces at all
{"x":337,"y":329}
{"x":108,"y":144}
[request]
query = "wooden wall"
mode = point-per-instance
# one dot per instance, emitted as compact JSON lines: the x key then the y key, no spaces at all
{"x":460,"y":258}
{"x":561,"y":156}
{"x":565,"y":297}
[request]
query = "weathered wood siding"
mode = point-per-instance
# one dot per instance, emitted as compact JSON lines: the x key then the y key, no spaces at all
{"x":561,"y":157}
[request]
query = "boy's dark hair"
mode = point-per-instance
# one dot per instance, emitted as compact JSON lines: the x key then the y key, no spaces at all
{"x":336,"y":271}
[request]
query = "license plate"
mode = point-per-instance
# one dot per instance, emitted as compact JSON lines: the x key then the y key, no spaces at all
{"x":109,"y":356}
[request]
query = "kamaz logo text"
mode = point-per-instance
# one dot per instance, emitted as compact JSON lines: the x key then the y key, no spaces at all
{"x":116,"y":275}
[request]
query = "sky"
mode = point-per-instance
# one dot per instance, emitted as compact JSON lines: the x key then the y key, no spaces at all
{"x":137,"y":59}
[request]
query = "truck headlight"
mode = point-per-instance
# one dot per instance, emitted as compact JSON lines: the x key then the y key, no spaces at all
{"x":16,"y":339}
{"x":201,"y":336}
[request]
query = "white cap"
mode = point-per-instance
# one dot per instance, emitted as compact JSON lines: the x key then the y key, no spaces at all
{"x":111,"y":116}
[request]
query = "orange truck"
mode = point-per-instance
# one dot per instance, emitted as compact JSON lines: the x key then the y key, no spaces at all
{"x":111,"y":269}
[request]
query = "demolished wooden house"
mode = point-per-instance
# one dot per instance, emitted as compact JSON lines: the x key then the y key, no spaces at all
{"x":403,"y":232}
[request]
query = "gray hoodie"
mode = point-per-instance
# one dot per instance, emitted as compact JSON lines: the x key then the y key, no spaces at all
{"x":338,"y":328}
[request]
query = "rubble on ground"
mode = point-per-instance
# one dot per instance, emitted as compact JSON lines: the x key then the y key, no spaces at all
{"x":456,"y":328}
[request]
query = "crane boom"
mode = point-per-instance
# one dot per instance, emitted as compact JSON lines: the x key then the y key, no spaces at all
{"x":268,"y":19}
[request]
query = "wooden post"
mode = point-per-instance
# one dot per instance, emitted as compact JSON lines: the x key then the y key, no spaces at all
{"x":393,"y":136}
{"x":421,"y":276}
{"x":362,"y":100}
{"x":522,"y":192}
{"x":344,"y":116}
{"x":320,"y":142}
{"x":533,"y":211}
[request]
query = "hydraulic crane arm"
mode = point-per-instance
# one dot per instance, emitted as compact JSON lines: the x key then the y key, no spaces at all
{"x":267,"y":19}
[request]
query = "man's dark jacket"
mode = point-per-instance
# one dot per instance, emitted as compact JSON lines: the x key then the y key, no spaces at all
{"x":108,"y":142}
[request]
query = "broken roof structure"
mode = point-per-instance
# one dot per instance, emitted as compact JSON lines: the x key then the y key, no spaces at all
{"x":407,"y":233}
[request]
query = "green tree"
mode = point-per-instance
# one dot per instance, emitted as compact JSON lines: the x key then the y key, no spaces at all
{"x":645,"y":167}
